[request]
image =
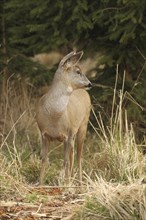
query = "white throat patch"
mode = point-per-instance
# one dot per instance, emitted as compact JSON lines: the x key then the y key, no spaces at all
{"x":69,"y":89}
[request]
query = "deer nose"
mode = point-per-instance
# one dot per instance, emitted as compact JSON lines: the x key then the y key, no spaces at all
{"x":90,"y":85}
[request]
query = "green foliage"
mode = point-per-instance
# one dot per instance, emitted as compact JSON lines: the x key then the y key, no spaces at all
{"x":116,"y":28}
{"x":22,"y":66}
{"x":122,"y":26}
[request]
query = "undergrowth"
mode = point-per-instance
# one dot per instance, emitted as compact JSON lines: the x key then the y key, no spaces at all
{"x":114,"y":165}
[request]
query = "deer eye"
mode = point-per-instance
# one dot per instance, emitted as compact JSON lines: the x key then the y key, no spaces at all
{"x":78,"y":72}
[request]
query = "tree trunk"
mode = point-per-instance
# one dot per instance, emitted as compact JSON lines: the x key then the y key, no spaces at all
{"x":5,"y":55}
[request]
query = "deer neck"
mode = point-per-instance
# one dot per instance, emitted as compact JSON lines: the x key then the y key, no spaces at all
{"x":57,"y":99}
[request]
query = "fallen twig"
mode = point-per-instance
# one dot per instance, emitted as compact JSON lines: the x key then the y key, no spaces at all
{"x":10,"y":204}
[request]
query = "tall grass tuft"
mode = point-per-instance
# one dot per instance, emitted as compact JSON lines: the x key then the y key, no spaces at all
{"x":116,"y":192}
{"x":114,"y":201}
{"x":18,"y":134}
{"x":119,"y":158}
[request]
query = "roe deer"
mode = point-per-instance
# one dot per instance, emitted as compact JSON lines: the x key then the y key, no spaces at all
{"x":63,"y":113}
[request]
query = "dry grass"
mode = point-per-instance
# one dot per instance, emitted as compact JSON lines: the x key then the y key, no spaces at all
{"x":16,"y":134}
{"x":119,"y":157}
{"x":115,"y":191}
{"x":108,"y":200}
{"x":112,"y":181}
{"x":17,"y":107}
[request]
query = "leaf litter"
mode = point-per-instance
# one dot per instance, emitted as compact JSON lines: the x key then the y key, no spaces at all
{"x":42,"y":203}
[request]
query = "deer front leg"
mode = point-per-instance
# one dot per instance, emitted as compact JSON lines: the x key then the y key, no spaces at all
{"x":80,"y":141}
{"x":79,"y":158}
{"x":71,"y":144}
{"x":44,"y":158}
{"x":68,"y":157}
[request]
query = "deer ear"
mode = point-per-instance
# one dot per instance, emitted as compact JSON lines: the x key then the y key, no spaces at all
{"x":75,"y":58}
{"x":71,"y":59}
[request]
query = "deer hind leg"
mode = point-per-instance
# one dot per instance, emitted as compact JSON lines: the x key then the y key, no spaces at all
{"x":44,"y":158}
{"x":80,"y":142}
{"x":69,"y":157}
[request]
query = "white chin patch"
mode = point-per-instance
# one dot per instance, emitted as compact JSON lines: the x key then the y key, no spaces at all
{"x":87,"y":88}
{"x":69,"y":89}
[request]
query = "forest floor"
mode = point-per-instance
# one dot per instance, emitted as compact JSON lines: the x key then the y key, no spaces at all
{"x":42,"y":203}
